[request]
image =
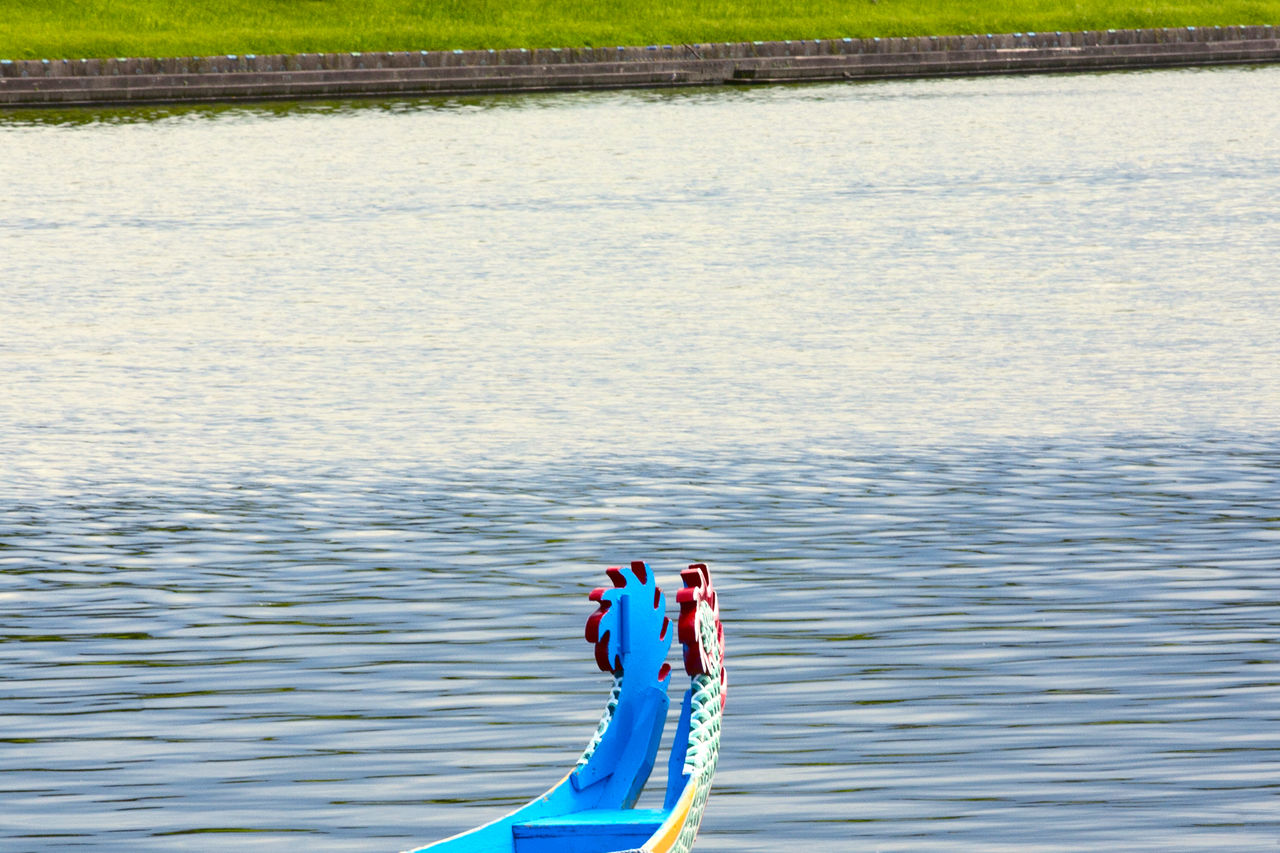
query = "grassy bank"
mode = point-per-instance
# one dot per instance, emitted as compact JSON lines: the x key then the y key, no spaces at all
{"x":58,"y":29}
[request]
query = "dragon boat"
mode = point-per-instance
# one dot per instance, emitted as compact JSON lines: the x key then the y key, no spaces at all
{"x":593,"y":809}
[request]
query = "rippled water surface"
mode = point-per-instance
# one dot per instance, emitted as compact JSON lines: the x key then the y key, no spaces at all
{"x":318,"y":423}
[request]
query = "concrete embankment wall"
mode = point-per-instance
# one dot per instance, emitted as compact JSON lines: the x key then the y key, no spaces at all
{"x":463,"y":72}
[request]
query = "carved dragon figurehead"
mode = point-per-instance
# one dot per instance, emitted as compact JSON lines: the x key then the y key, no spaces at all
{"x":700,"y":629}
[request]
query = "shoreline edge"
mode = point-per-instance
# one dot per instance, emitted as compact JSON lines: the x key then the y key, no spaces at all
{"x":249,"y":77}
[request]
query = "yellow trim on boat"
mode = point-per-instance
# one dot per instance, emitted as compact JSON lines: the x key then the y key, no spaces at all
{"x":665,"y":838}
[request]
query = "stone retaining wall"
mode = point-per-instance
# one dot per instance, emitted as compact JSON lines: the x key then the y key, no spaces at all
{"x":461,"y":72}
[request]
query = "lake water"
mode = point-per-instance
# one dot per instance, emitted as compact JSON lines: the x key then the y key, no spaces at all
{"x":318,"y":423}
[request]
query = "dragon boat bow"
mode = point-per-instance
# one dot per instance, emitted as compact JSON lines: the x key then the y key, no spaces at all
{"x":592,"y":810}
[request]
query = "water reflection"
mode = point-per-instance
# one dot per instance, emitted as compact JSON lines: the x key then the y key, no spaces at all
{"x":926,"y":646}
{"x":15,"y":118}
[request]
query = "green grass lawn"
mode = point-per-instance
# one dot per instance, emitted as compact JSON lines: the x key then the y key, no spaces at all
{"x":70,"y":29}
